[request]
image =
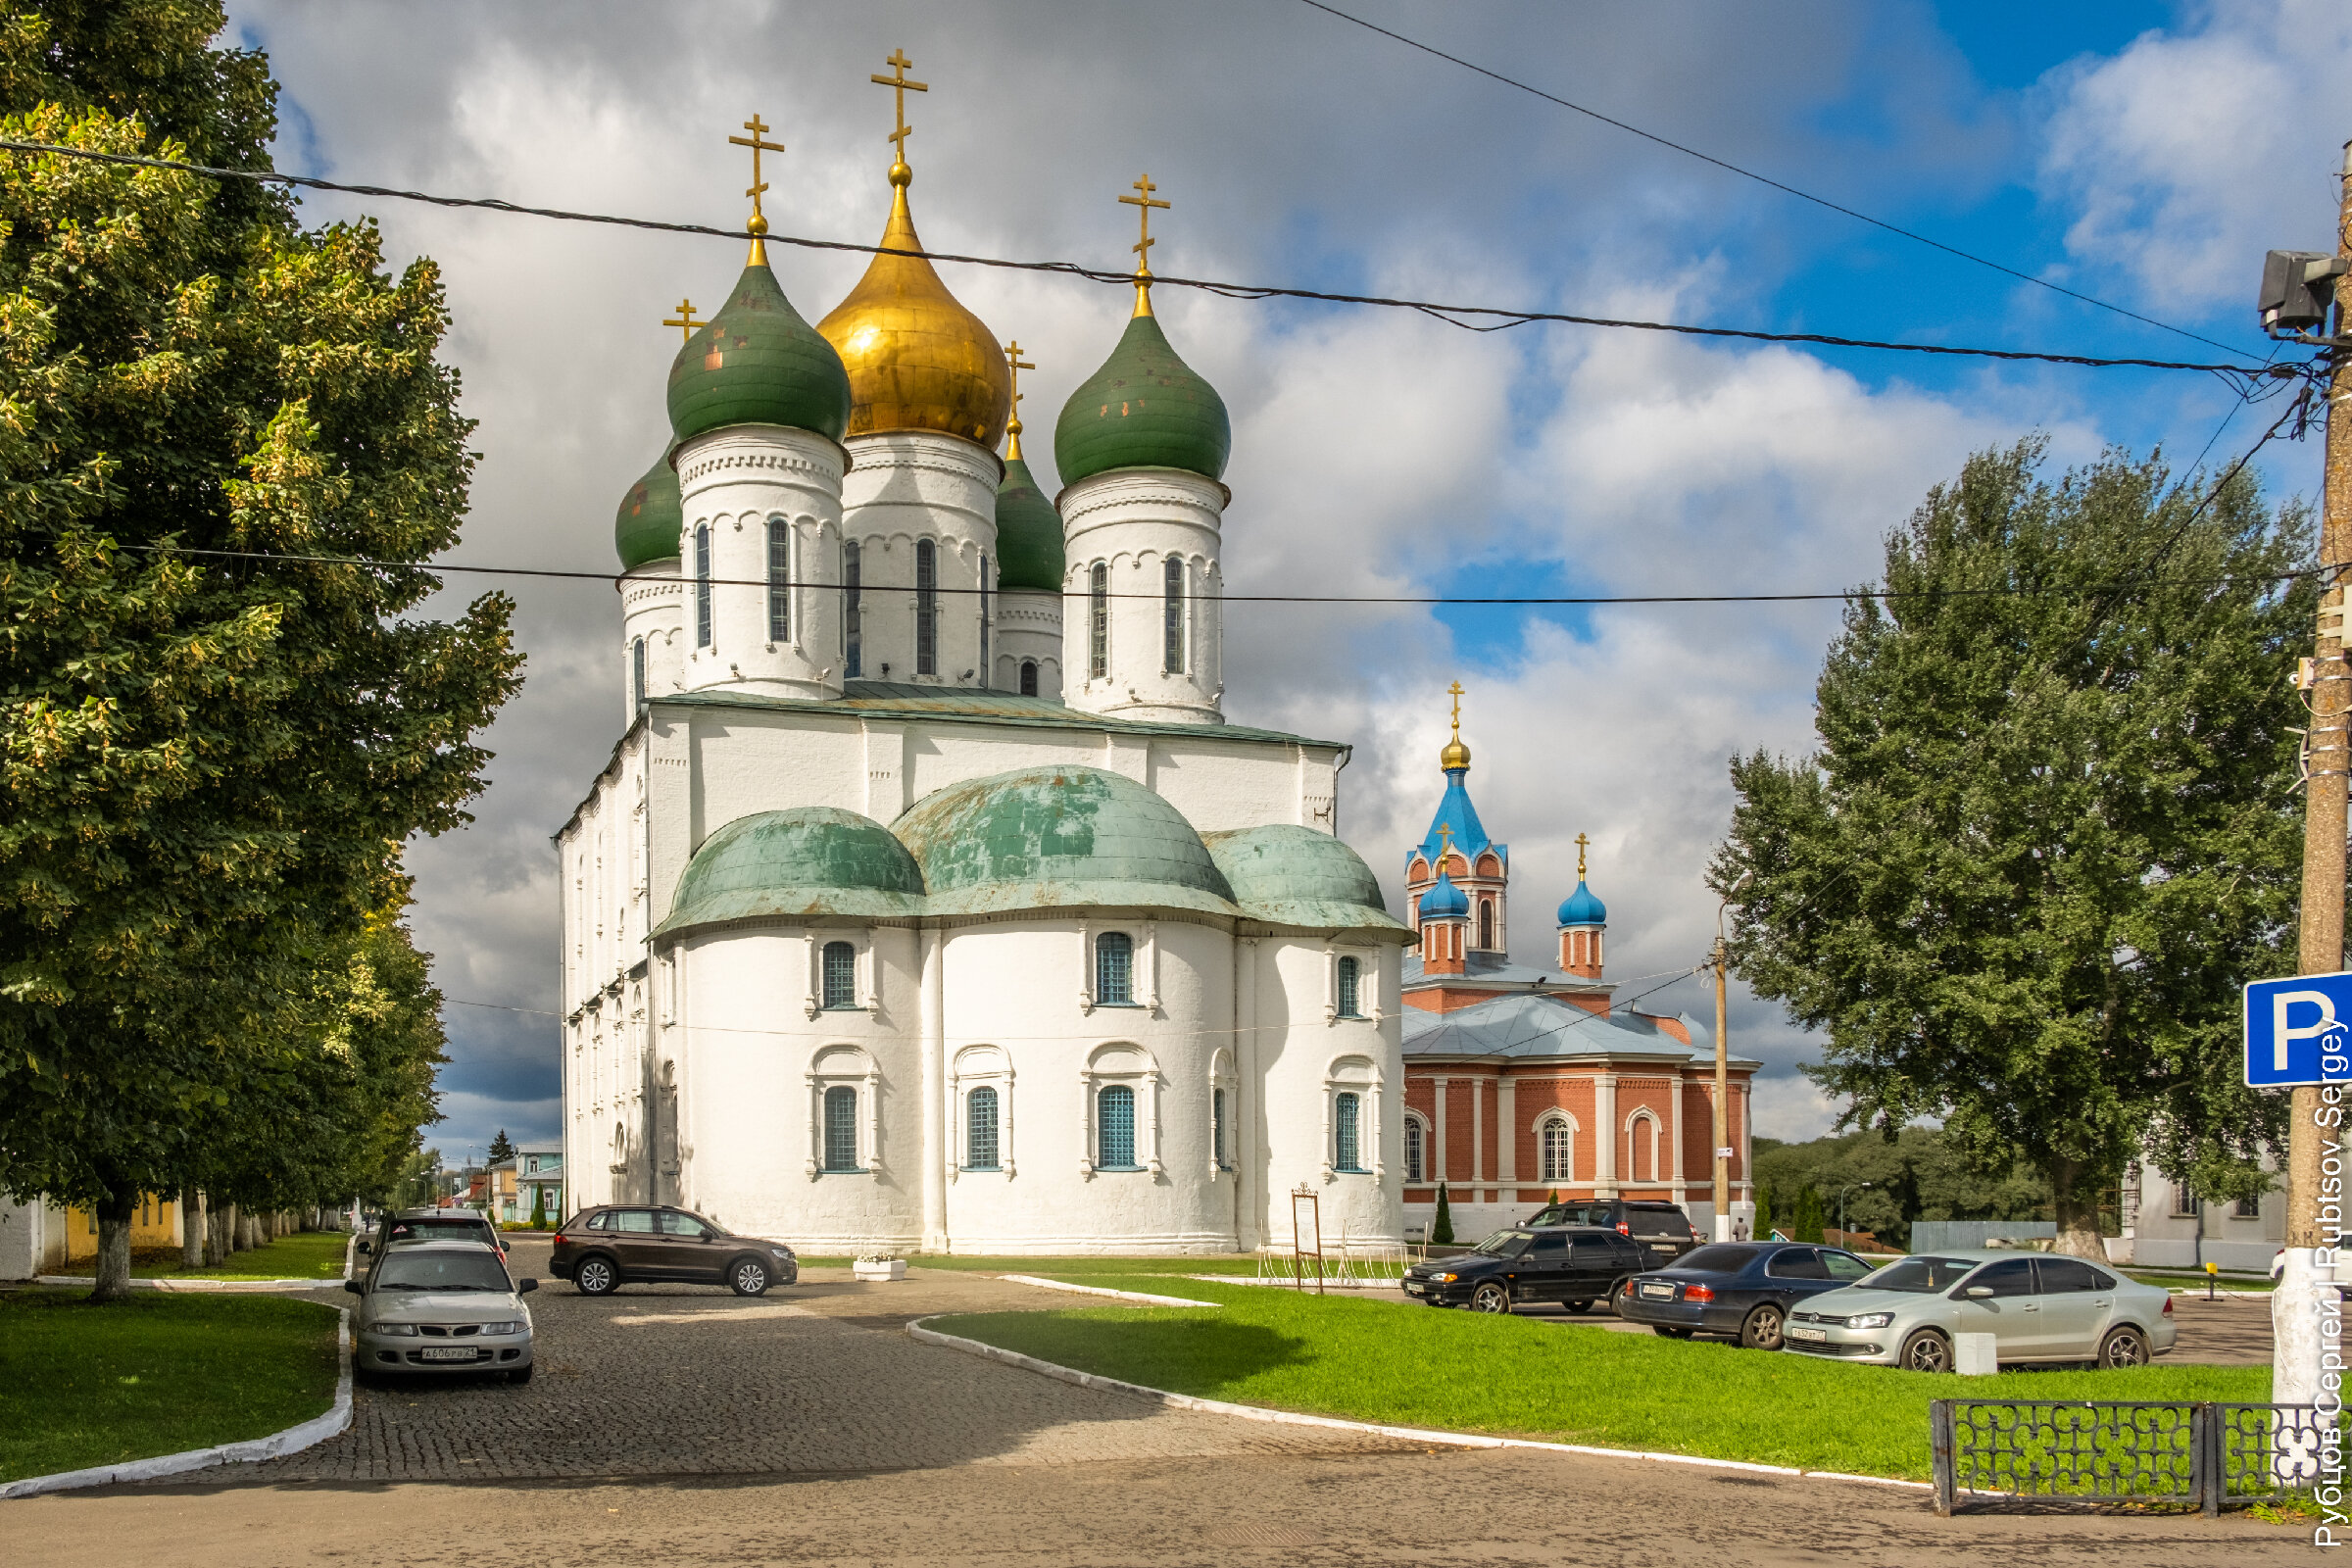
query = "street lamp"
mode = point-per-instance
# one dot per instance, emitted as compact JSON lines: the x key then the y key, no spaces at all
{"x":1723,"y":1073}
{"x":1851,"y":1187}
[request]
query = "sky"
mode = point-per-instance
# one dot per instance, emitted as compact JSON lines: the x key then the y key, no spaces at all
{"x":2145,"y":155}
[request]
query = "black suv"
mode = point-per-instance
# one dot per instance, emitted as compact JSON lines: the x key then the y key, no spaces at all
{"x":1663,"y":1229}
{"x":1567,"y":1265}
{"x":599,"y":1249}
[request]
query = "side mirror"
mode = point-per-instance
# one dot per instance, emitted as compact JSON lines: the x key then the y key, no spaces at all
{"x":1979,"y":1293}
{"x":526,"y":1286}
{"x":356,"y":1287}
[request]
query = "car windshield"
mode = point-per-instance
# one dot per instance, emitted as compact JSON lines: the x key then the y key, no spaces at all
{"x":441,"y":1271}
{"x":1504,"y":1244}
{"x":447,"y":1230}
{"x":1723,"y":1258}
{"x":1575,"y":1214}
{"x":1923,"y":1275}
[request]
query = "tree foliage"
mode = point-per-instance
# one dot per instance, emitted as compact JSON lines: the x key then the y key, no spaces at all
{"x":1916,"y":1175}
{"x":2051,"y":828}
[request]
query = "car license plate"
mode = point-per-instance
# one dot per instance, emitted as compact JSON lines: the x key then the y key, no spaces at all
{"x":448,"y":1353}
{"x":1412,"y":1286}
{"x":1659,"y":1293}
{"x":1808,"y":1334}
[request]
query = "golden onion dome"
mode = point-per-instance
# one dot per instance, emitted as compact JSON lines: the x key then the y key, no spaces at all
{"x":917,"y":358}
{"x":1455,"y":755}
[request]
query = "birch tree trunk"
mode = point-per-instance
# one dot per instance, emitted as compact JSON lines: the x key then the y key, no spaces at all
{"x":112,"y":1265}
{"x":191,"y":1228}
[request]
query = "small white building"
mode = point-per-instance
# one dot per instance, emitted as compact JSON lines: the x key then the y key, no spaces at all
{"x":2164,"y":1225}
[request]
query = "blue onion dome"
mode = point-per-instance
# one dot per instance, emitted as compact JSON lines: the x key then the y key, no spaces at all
{"x":1444,"y":899}
{"x":1144,"y":408}
{"x":806,"y":860}
{"x":1583,"y":908}
{"x":1285,"y":874}
{"x":651,"y":517}
{"x":1028,"y":530}
{"x":756,"y":362}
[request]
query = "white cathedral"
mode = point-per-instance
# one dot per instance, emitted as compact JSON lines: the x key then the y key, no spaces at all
{"x":928,"y":902}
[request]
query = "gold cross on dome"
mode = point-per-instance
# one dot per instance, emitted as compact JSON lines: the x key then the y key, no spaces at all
{"x":684,"y":321}
{"x":1581,"y":842}
{"x":1445,"y":846}
{"x":1142,"y":202}
{"x":757,"y":142}
{"x":1012,"y":427}
{"x":1455,"y":692}
{"x":900,"y":87}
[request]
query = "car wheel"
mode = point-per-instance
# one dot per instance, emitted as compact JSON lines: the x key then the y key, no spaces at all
{"x":1762,"y":1330}
{"x":1578,"y":1306}
{"x":1492,"y":1297}
{"x":522,"y":1374}
{"x":595,"y":1276}
{"x":1926,"y":1350}
{"x":1617,"y":1294}
{"x":1665,"y":1332}
{"x":2125,"y":1346}
{"x":749,"y":1277}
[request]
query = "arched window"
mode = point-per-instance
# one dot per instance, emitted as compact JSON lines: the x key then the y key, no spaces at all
{"x":1558,"y":1153}
{"x":982,"y":667}
{"x":702,"y":585}
{"x":1641,"y":1148}
{"x":853,"y":640}
{"x":1114,"y":969}
{"x":1485,"y":924}
{"x":637,"y":672}
{"x":1098,"y":623}
{"x":1346,"y":1117}
{"x":1415,"y":1141}
{"x":1350,"y":976}
{"x":1172,"y":617}
{"x":1028,"y":677}
{"x":926,"y":607}
{"x":840,"y":1128}
{"x":779,"y":581}
{"x":1216,"y":1129}
{"x":841,"y":975}
{"x":980,"y":1129}
{"x":1115,"y":1128}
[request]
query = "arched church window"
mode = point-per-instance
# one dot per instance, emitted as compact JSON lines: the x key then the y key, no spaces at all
{"x":779,"y":581}
{"x":1098,"y":621}
{"x":1346,"y":1119}
{"x":637,"y":672}
{"x":926,"y":607}
{"x":1557,"y":1152}
{"x":1172,"y":617}
{"x":1415,"y":1141}
{"x":1115,"y":1128}
{"x":1486,"y":923}
{"x":1216,"y":1129}
{"x":853,"y":640}
{"x":840,"y":1128}
{"x":1028,"y":677}
{"x":1350,"y":985}
{"x":980,"y":1129}
{"x":702,"y":585}
{"x":840,"y":974}
{"x":1114,"y":969}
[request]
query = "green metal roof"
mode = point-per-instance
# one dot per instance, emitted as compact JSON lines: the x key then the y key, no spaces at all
{"x":651,"y":517}
{"x":1043,"y":838}
{"x":1028,"y":532}
{"x":1285,"y":874}
{"x":1144,"y":408}
{"x":875,"y":699}
{"x":756,"y":362}
{"x":807,"y":860}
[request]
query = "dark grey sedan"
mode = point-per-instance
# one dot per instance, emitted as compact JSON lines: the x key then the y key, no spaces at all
{"x":1745,"y":1288}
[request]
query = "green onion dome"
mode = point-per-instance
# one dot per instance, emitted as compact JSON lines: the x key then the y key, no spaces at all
{"x":651,"y":517}
{"x":806,"y":860}
{"x":1028,"y":531}
{"x":756,"y":362}
{"x":1144,"y":408}
{"x":1285,"y":874}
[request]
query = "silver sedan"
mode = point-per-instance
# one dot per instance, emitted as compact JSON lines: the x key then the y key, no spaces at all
{"x":2037,"y":1307}
{"x":442,"y":1306}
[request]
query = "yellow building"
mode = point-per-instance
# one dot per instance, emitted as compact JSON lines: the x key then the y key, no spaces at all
{"x":154,"y":1223}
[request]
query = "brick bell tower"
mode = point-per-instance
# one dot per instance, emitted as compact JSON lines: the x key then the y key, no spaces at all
{"x":1457,"y":854}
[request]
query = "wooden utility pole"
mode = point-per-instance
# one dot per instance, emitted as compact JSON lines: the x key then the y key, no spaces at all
{"x":2295,"y":1313}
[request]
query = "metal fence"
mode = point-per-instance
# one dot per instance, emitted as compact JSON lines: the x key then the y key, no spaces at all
{"x":2126,"y":1452}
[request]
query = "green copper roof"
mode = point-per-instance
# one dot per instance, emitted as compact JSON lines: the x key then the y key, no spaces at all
{"x":1047,"y":838}
{"x":1289,"y":875}
{"x":757,"y":362}
{"x":1144,"y":408}
{"x":808,"y":861}
{"x":651,"y":517}
{"x":1028,"y":532}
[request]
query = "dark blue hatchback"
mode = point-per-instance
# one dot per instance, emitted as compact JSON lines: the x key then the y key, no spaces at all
{"x":1737,"y":1287}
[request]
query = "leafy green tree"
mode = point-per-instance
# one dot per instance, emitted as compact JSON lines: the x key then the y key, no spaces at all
{"x":1442,"y":1232}
{"x":538,"y":1208}
{"x":1809,"y":1215}
{"x":1764,"y":1210}
{"x":501,"y":1148}
{"x":2051,"y":827}
{"x":206,"y":765}
{"x":1919,"y":1174}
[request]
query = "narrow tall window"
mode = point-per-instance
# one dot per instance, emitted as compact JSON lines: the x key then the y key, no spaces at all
{"x":779,"y":581}
{"x":852,"y":639}
{"x":1028,"y":677}
{"x":926,"y":607}
{"x":1114,"y":1139}
{"x":980,"y":1130}
{"x":1171,"y":617}
{"x":1348,"y":1113}
{"x":1555,"y":1163}
{"x":1350,"y":977}
{"x":1412,"y":1151}
{"x":1114,"y":969}
{"x":1485,"y":924}
{"x":840,"y":1128}
{"x":702,"y":585}
{"x":841,"y":975}
{"x":637,"y":672}
{"x":1216,"y":1129}
{"x":984,"y":680}
{"x":1098,"y":621}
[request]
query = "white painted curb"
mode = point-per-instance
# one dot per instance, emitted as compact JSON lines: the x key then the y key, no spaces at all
{"x":192,"y":1285}
{"x":293,"y":1440}
{"x":1102,"y":1290}
{"x":1459,"y":1439}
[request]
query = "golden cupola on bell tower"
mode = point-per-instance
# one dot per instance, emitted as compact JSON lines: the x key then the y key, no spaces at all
{"x":917,"y":358}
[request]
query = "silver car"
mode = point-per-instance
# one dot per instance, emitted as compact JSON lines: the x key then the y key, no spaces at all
{"x":2037,"y":1307}
{"x":442,"y":1306}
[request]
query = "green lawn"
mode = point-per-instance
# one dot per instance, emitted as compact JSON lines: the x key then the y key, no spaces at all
{"x":1076,"y":1268}
{"x":158,"y":1373}
{"x":304,"y":1255}
{"x":1524,"y":1377}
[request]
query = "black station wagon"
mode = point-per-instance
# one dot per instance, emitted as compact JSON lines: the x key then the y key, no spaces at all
{"x":1566,"y":1265}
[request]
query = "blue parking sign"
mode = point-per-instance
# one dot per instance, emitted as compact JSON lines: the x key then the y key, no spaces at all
{"x":2299,"y":1031}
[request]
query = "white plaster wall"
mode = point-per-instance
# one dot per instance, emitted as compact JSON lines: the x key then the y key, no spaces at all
{"x":1131,"y":521}
{"x":734,"y":480}
{"x":1304,"y":1058}
{"x":907,"y":485}
{"x":23,"y":1230}
{"x":1028,"y":626}
{"x":652,"y":605}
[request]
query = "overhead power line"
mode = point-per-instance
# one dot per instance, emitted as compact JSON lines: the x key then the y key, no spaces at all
{"x":1766,"y":179}
{"x":1487,"y":319}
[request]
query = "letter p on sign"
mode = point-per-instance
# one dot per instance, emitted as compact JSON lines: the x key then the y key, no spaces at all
{"x":2296,"y":1033}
